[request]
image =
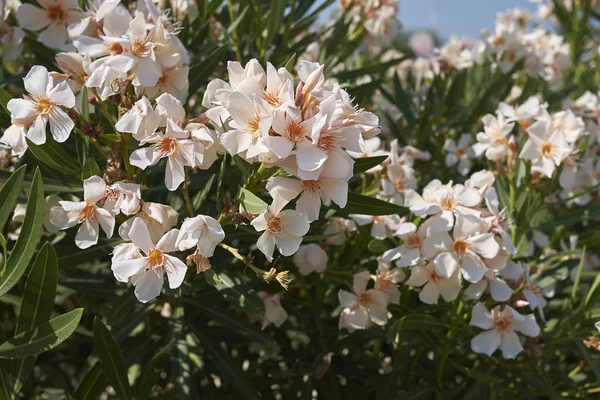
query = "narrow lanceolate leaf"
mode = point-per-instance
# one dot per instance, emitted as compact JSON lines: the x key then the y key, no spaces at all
{"x":289,"y":65}
{"x":90,"y":168}
{"x":275,"y":19}
{"x":232,"y":373}
{"x":54,"y":156}
{"x":359,"y":204}
{"x":43,"y":337}
{"x":203,"y":194}
{"x":36,"y":307}
{"x":252,"y":203}
{"x":5,"y":97}
{"x":150,"y":374}
{"x":111,"y":357}
{"x":236,"y":292}
{"x":9,"y":194}
{"x":201,"y":71}
{"x":31,"y":232}
{"x":365,"y":164}
{"x":403,"y":101}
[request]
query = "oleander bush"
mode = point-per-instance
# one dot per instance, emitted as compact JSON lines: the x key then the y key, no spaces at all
{"x":297,"y":199}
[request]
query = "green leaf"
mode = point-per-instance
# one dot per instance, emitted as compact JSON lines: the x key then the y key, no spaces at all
{"x":4,"y":254}
{"x":91,"y":383}
{"x":377,"y":246}
{"x":50,"y":185}
{"x":360,"y":204}
{"x":150,"y":374}
{"x":414,"y":322}
{"x":36,"y":307}
{"x":9,"y":193}
{"x":203,"y":194}
{"x":85,"y":104}
{"x":588,"y":358}
{"x":592,"y":297}
{"x":231,"y":321}
{"x":90,"y":168}
{"x":31,"y":231}
{"x":365,"y":164}
{"x":291,"y":62}
{"x":238,"y":20}
{"x":201,"y":70}
{"x":5,"y":97}
{"x":403,"y":101}
{"x":252,"y":203}
{"x":43,"y":337}
{"x":236,"y":292}
{"x":223,"y":361}
{"x":54,"y":156}
{"x":578,"y":276}
{"x":111,"y":357}
{"x":275,"y":18}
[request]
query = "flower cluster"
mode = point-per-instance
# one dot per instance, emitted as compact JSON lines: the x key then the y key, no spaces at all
{"x":378,"y":16}
{"x":303,"y":128}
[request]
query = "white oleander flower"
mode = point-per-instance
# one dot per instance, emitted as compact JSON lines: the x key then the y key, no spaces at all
{"x":464,"y":251}
{"x":44,"y":107}
{"x":433,"y":284}
{"x":501,"y":329}
{"x":310,"y":258}
{"x":444,"y":202}
{"x":499,"y":289}
{"x":545,"y":148}
{"x":14,"y":138}
{"x":52,"y":20}
{"x":274,"y":312}
{"x":409,"y":253}
{"x":201,"y":231}
{"x":493,"y":141}
{"x":459,"y":153}
{"x":383,"y":226}
{"x":87,"y":213}
{"x":338,"y":228}
{"x":175,"y":145}
{"x":283,"y":229}
{"x":524,"y":113}
{"x":147,"y":272}
{"x":159,"y":218}
{"x":123,"y":197}
{"x":362,"y":307}
{"x":388,"y":278}
{"x":141,"y":120}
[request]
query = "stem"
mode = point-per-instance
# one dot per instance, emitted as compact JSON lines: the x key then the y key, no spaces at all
{"x":104,"y":110}
{"x":186,"y":193}
{"x":234,"y":35}
{"x":243,"y":259}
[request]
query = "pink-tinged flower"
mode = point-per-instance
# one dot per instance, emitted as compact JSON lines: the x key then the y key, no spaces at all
{"x":159,"y":218}
{"x":310,"y":258}
{"x":493,"y":141}
{"x":445,"y":202}
{"x":383,"y":226}
{"x":388,"y":278}
{"x":410,"y":252}
{"x":546,"y":148}
{"x":43,"y":107}
{"x":362,"y":307}
{"x":274,"y":312}
{"x":459,"y":153}
{"x":87,"y":213}
{"x":140,"y":120}
{"x":501,"y":329}
{"x":14,"y":137}
{"x":201,"y":231}
{"x":464,"y":251}
{"x":434,"y":284}
{"x":175,"y":145}
{"x":282,"y":228}
{"x":52,"y":19}
{"x":147,"y":272}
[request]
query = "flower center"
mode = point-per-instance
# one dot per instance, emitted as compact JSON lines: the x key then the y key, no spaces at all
{"x":295,"y":132}
{"x":327,"y":142}
{"x":253,"y":126}
{"x":310,"y":186}
{"x":502,"y":324}
{"x":55,"y":12}
{"x":274,"y":225}
{"x":461,"y":247}
{"x":461,"y":152}
{"x":140,"y":47}
{"x":115,"y":48}
{"x":434,"y":277}
{"x":88,"y":212}
{"x":365,"y":299}
{"x":547,"y":150}
{"x":400,"y":185}
{"x":156,"y":259}
{"x":166,"y":145}
{"x":273,"y":99}
{"x":448,"y":203}
{"x":414,"y":241}
{"x":43,"y":105}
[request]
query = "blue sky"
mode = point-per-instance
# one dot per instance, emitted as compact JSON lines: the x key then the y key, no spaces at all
{"x":462,"y":17}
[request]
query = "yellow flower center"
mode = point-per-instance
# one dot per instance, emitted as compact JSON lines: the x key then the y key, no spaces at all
{"x":414,"y":241}
{"x":115,"y":48}
{"x":166,"y":145}
{"x":43,"y":105}
{"x":88,"y":212}
{"x":502,"y":324}
{"x":448,"y":203}
{"x":461,"y":247}
{"x":156,"y":259}
{"x":547,"y":150}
